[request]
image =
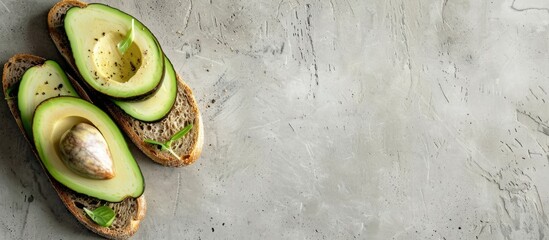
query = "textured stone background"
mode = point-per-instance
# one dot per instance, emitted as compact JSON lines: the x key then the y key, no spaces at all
{"x":333,"y":119}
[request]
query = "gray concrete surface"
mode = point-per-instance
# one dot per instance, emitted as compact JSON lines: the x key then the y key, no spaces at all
{"x":335,"y":119}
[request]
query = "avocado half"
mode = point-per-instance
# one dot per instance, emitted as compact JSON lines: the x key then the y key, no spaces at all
{"x":54,"y":117}
{"x":159,"y":103}
{"x":94,"y":32}
{"x":38,"y":84}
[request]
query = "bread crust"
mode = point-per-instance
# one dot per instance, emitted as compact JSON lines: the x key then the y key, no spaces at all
{"x":73,"y":201}
{"x":195,"y":138}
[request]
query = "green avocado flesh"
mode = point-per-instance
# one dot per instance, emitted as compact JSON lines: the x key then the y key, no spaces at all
{"x":54,"y":117}
{"x":159,"y":103}
{"x":94,"y":32}
{"x":38,"y":84}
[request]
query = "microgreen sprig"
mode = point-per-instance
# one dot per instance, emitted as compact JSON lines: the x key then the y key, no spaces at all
{"x":103,"y":215}
{"x":127,"y":41}
{"x":167,"y":146}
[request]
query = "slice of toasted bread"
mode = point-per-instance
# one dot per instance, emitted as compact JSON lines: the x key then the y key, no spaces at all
{"x":184,"y":111}
{"x":129,"y":212}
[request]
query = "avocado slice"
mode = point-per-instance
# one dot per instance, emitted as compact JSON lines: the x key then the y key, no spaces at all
{"x":94,"y":32}
{"x":54,"y":117}
{"x":39,"y":83}
{"x":159,"y":103}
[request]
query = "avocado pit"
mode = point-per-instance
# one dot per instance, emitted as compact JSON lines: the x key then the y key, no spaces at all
{"x":85,"y":151}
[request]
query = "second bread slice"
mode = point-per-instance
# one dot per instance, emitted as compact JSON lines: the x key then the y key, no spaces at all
{"x":185,"y":110}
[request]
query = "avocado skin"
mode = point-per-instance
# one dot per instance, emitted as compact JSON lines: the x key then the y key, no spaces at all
{"x":154,"y":111}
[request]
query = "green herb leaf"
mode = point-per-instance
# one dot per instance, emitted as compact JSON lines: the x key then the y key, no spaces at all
{"x":164,"y":147}
{"x":179,"y":134}
{"x":103,"y":215}
{"x":167,"y":146}
{"x":127,"y":41}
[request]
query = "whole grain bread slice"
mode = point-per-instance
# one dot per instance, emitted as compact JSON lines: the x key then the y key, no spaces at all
{"x":129,"y":212}
{"x":184,"y":111}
